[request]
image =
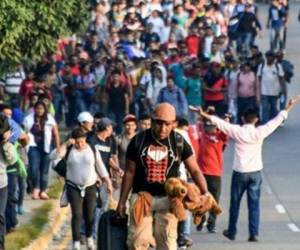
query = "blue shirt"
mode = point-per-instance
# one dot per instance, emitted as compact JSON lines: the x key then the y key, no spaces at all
{"x":16,"y":131}
{"x":176,"y":98}
{"x":277,"y":16}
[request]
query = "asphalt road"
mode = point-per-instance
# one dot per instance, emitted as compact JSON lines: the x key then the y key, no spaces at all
{"x":280,"y":201}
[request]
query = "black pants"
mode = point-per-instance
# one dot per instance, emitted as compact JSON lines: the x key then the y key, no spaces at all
{"x":214,"y":187}
{"x":82,"y":207}
{"x":3,"y":200}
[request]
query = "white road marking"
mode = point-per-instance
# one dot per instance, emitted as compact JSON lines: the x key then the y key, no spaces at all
{"x":293,"y":227}
{"x":280,"y":209}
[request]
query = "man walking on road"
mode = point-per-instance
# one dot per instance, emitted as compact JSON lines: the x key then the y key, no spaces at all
{"x":247,"y":165}
{"x":151,"y":160}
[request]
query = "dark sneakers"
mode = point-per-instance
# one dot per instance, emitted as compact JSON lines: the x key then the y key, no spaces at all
{"x":184,"y":241}
{"x":228,"y":235}
{"x":253,"y":238}
{"x":211,"y":228}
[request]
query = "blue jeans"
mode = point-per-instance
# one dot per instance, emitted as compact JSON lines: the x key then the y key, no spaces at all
{"x":243,"y":104}
{"x":241,"y":182}
{"x":244,"y":41}
{"x":39,"y":168}
{"x":10,"y":212}
{"x":184,"y":227}
{"x":269,"y":107}
{"x":277,"y":38}
{"x":3,"y":200}
{"x":58,"y":101}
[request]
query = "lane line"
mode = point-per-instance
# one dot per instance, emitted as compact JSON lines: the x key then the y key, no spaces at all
{"x":280,"y":209}
{"x":293,"y":227}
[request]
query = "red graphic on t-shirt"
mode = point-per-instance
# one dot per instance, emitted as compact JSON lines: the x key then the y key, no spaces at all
{"x":157,"y":163}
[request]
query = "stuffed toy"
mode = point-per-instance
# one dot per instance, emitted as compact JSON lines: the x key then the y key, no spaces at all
{"x":187,"y":196}
{"x":176,"y":191}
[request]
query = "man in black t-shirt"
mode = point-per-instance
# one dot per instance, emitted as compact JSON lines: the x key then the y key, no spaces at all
{"x":152,"y":158}
{"x":104,"y":142}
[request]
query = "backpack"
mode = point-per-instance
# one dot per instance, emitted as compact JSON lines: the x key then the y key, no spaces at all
{"x":276,"y":66}
{"x":179,"y":143}
{"x":233,"y":26}
{"x":61,"y":167}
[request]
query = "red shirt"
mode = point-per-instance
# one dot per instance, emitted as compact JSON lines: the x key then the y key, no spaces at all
{"x":216,"y":96}
{"x":75,"y":70}
{"x":193,"y":43}
{"x":209,"y":149}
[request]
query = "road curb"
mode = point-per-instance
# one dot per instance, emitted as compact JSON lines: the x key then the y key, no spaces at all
{"x":57,"y":217}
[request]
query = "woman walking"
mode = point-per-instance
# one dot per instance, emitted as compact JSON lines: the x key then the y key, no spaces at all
{"x":84,"y":165}
{"x":43,"y":132}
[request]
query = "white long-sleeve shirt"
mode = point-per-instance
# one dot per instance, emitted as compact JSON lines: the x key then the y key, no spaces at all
{"x":248,"y":141}
{"x":81,"y":166}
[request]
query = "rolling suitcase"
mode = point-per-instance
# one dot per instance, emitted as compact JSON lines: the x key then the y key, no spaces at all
{"x":112,"y":232}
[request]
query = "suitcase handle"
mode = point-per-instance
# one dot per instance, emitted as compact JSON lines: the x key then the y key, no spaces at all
{"x":118,"y":220}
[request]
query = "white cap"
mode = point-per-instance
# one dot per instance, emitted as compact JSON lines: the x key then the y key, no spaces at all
{"x":85,"y":117}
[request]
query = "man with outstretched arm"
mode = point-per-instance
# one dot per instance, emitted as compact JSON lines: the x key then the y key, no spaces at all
{"x":247,"y":165}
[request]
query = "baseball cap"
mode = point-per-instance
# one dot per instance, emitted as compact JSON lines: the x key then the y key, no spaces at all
{"x":129,"y":118}
{"x":103,"y":124}
{"x":85,"y":117}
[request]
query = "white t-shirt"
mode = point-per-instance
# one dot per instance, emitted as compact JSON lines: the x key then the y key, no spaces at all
{"x":207,"y":46}
{"x":270,"y":74}
{"x":158,"y":25}
{"x":81,"y":166}
{"x":13,"y":82}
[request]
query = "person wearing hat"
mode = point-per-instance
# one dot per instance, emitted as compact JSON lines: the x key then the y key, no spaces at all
{"x":86,"y":121}
{"x":211,"y":145}
{"x":271,"y":81}
{"x":153,"y":156}
{"x":247,"y":165}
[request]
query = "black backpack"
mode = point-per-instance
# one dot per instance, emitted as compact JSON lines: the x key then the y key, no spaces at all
{"x":179,"y":143}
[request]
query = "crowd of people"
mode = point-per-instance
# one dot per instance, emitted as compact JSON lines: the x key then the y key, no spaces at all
{"x":105,"y":87}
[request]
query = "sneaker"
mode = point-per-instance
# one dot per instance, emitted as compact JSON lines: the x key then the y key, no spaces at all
{"x":228,"y":235}
{"x":184,"y":242}
{"x":253,"y":238}
{"x":211,"y":229}
{"x":90,"y":243}
{"x":76,"y":245}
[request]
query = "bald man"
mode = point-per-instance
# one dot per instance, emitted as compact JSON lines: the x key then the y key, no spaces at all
{"x":153,"y":157}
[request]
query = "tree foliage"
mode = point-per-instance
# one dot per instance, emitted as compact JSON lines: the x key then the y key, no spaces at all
{"x":30,"y":28}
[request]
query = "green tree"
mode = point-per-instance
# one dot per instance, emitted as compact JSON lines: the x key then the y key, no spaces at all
{"x":31,"y":28}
